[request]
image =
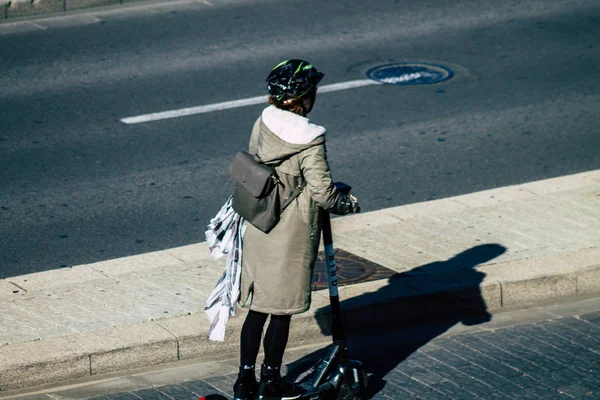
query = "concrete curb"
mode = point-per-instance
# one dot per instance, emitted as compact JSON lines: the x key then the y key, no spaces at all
{"x":15,"y":10}
{"x":27,"y":8}
{"x":367,"y":306}
{"x":441,"y":289}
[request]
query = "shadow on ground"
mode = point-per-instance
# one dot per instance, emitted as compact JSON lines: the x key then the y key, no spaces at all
{"x":421,"y":304}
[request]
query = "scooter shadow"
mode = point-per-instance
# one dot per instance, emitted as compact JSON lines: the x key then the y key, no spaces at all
{"x":384,"y":335}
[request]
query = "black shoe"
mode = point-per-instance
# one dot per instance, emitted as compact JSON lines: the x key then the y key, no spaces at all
{"x":245,"y":387}
{"x":273,"y":387}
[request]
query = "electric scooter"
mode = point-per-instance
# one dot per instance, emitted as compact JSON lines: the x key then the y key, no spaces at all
{"x":335,"y":376}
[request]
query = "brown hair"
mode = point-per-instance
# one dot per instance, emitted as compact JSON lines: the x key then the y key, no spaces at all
{"x":293,"y":105}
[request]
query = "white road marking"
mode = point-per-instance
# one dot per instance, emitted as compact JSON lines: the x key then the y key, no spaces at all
{"x":236,"y":103}
{"x":37,"y":25}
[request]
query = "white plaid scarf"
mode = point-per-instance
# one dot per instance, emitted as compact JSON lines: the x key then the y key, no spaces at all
{"x":224,"y":236}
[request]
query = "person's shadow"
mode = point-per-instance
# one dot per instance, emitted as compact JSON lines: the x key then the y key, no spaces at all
{"x":433,"y":298}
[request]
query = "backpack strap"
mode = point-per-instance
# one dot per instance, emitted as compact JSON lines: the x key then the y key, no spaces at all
{"x":293,"y":196}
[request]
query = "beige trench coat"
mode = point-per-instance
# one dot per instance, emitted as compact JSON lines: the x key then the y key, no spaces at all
{"x":277,"y":267}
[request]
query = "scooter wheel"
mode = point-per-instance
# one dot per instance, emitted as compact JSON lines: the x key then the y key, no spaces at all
{"x":354,"y":390}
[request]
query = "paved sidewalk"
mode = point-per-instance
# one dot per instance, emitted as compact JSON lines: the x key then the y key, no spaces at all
{"x":458,"y":257}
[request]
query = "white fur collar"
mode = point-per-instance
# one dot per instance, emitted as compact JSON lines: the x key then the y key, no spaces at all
{"x":292,"y":128}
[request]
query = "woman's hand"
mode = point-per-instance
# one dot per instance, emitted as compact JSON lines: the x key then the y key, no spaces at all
{"x":354,"y":204}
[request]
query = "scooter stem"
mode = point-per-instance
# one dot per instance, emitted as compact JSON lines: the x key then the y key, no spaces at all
{"x":337,"y":323}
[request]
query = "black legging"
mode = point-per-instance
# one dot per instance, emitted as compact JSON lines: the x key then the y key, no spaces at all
{"x":276,"y":338}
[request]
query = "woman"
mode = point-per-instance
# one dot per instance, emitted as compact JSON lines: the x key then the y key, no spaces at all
{"x":277,"y":267}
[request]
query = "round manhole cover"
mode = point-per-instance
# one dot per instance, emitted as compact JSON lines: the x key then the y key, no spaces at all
{"x":350,"y":269}
{"x":410,"y":74}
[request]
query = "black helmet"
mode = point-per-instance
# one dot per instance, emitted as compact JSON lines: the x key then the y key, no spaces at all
{"x":292,"y":79}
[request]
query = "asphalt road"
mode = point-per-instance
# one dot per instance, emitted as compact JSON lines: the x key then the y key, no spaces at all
{"x":77,"y":185}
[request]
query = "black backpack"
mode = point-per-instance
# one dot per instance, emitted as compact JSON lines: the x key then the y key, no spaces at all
{"x":256,"y":195}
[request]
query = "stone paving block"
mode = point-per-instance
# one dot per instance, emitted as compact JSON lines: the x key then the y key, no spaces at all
{"x":177,"y":392}
{"x":442,"y":251}
{"x":547,"y":350}
{"x":482,"y":389}
{"x":514,"y":350}
{"x":546,"y":392}
{"x":425,"y":229}
{"x":128,"y":347}
{"x":573,"y":349}
{"x":507,"y":236}
{"x":483,"y":358}
{"x":191,"y":332}
{"x":494,"y":197}
{"x":8,"y":290}
{"x":196,"y":253}
{"x":431,"y":208}
{"x":533,"y":280}
{"x":380,"y":254}
{"x":588,"y":280}
{"x":553,"y":221}
{"x":566,"y":310}
{"x":464,"y":395}
{"x":222,"y":383}
{"x":448,"y":357}
{"x":179,"y":284}
{"x":121,"y":396}
{"x":106,"y":305}
{"x":583,"y":327}
{"x":468,"y":303}
{"x":368,"y":220}
{"x":391,"y":233}
{"x":523,"y":380}
{"x":18,"y":336}
{"x":574,"y":390}
{"x":591,"y":318}
{"x":579,"y":206}
{"x":104,"y":309}
{"x":513,"y":391}
{"x":565,"y":331}
{"x":561,"y":184}
{"x":142,"y":262}
{"x":496,"y":396}
{"x":148,"y":394}
{"x":542,"y":370}
{"x":393,"y":303}
{"x":446,"y":387}
{"x":199,"y":387}
{"x":408,"y":258}
{"x":433,"y":395}
{"x":39,"y":362}
{"x":369,"y":239}
{"x":595,"y":175}
{"x":58,"y":277}
{"x":419,"y":374}
{"x":37,"y":318}
{"x":411,"y":385}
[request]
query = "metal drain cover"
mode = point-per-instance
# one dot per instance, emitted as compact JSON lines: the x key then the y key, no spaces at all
{"x":351,"y":269}
{"x":410,"y":73}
